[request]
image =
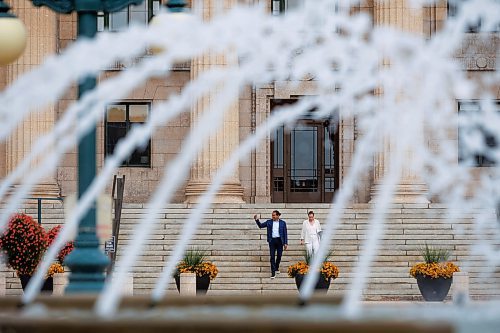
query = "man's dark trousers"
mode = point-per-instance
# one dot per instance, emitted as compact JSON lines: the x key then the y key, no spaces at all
{"x":275,"y":245}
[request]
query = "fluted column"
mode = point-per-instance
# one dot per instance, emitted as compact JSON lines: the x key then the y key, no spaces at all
{"x":222,"y":143}
{"x":404,"y":15}
{"x":42,"y":34}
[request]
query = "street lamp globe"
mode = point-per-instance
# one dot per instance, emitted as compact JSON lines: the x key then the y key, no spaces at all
{"x":12,"y":36}
{"x":176,"y":9}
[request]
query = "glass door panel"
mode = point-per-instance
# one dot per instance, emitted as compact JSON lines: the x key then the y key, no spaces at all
{"x":303,"y":166}
{"x":304,"y":161}
{"x":278,"y":174}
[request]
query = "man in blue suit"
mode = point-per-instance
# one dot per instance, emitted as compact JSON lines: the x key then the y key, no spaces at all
{"x":277,"y":237}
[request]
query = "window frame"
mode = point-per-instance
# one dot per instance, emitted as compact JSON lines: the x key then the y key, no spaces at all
{"x":478,"y":158}
{"x":128,"y":126}
{"x":451,"y":11}
{"x":327,"y":143}
{"x":104,"y":18}
{"x":279,"y":7}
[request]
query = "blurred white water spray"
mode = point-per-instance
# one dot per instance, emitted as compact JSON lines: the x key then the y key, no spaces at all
{"x":392,"y":83}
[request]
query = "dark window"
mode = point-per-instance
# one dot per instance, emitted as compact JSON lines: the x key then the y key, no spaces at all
{"x":281,"y":6}
{"x":140,"y":14}
{"x":453,"y":8}
{"x":120,"y":118}
{"x":477,"y":141}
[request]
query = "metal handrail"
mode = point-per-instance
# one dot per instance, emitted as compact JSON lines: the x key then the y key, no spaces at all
{"x":39,"y":204}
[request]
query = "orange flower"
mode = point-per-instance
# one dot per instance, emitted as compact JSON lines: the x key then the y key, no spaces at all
{"x":434,"y":270}
{"x":68,"y":247}
{"x":205,"y":268}
{"x":55,"y":268}
{"x":328,"y":270}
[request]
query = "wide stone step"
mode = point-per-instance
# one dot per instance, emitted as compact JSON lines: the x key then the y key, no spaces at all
{"x":240,"y":251}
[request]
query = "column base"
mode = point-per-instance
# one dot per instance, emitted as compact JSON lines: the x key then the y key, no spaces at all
{"x":227,"y":193}
{"x":403,"y":193}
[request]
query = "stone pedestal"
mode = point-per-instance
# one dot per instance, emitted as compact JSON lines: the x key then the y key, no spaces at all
{"x":60,"y":283}
{"x":187,"y":286}
{"x":128,"y":286}
{"x":460,"y":287}
{"x":3,"y":285}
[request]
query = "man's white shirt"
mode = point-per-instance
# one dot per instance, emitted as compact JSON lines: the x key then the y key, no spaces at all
{"x":276,"y":229}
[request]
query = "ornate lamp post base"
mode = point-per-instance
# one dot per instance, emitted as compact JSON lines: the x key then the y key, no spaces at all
{"x":87,"y":261}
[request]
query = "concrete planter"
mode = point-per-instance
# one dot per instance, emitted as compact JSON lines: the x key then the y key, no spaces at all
{"x":433,"y":290}
{"x":322,"y":285}
{"x":47,"y":287}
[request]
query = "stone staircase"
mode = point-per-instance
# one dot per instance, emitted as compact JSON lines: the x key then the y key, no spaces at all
{"x":240,"y":251}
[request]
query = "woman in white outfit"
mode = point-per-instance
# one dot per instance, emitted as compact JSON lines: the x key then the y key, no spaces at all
{"x":310,"y":235}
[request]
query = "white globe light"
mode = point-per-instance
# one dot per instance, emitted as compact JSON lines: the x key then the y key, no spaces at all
{"x":12,"y":39}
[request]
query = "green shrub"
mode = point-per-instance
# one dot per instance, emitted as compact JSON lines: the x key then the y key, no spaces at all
{"x":194,"y":257}
{"x":309,"y":257}
{"x":434,"y":254}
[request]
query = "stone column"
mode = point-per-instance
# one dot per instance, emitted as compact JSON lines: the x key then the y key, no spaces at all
{"x":222,"y":143}
{"x":407,"y":16}
{"x":41,"y":26}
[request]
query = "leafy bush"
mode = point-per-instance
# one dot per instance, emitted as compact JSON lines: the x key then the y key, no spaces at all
{"x":67,"y":248}
{"x":328,"y":270}
{"x":434,"y":254}
{"x":194,"y":261}
{"x":194,"y":257}
{"x":308,"y":257}
{"x":23,"y":242}
{"x":434,"y":270}
{"x":435,"y":264}
{"x":54,"y":269}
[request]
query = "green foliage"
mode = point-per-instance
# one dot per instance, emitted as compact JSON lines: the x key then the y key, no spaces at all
{"x":309,"y":257}
{"x":194,"y":257}
{"x":195,"y":261}
{"x":434,"y":254}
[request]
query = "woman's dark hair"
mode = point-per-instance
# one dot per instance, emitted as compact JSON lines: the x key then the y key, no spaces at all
{"x":310,"y":212}
{"x":277,"y":212}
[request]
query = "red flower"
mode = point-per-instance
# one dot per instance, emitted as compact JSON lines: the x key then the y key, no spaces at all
{"x":23,"y":242}
{"x":52,"y":234}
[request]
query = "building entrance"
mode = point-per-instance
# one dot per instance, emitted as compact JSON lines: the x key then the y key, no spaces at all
{"x":304,"y":160}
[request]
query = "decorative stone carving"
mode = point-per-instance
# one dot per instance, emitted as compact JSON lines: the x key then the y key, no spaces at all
{"x":479,"y":51}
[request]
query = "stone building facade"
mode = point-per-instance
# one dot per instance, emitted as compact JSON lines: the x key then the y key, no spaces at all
{"x":267,"y":175}
{"x":267,"y":178}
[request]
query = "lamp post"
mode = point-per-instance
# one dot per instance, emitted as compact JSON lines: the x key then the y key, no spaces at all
{"x":12,"y":35}
{"x":87,"y":262}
